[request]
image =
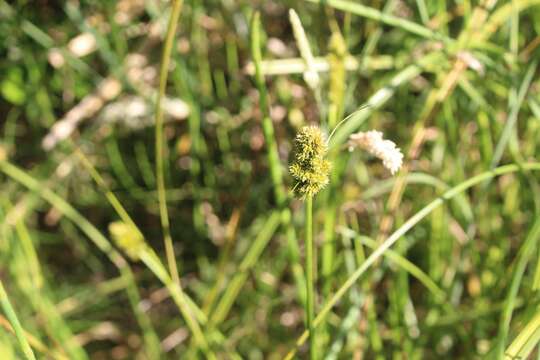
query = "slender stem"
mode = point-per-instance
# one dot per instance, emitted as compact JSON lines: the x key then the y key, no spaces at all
{"x":374,"y":14}
{"x":309,"y":276}
{"x":525,"y":253}
{"x":276,"y":171}
{"x":14,"y":320}
{"x":160,"y":178}
{"x":89,"y":229}
{"x":267,"y":125}
{"x":153,"y":263}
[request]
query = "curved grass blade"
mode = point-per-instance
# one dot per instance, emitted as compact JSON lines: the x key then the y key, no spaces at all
{"x":374,"y":14}
{"x":379,"y":98}
{"x":90,"y":231}
{"x":402,"y":262}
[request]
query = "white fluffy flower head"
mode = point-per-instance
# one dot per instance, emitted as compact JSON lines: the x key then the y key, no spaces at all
{"x":372,"y":141}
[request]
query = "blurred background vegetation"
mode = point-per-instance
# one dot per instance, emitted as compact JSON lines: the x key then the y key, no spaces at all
{"x":453,"y":83}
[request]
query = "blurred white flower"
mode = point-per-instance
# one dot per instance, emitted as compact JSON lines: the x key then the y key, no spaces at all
{"x":372,"y":141}
{"x":82,"y":44}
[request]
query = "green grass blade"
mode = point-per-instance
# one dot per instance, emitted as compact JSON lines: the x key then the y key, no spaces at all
{"x":526,"y":340}
{"x":276,"y":172}
{"x":160,"y":142}
{"x":311,"y":77}
{"x":186,"y":306}
{"x":87,"y":228}
{"x":353,"y":122}
{"x":14,"y":320}
{"x":374,"y":14}
{"x":512,"y":117}
{"x":525,"y":253}
{"x":403,"y":263}
{"x":250,"y":259}
{"x":536,"y":280}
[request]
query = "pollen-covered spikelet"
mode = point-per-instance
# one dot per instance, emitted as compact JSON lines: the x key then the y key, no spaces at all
{"x":309,"y":169}
{"x":128,"y":238}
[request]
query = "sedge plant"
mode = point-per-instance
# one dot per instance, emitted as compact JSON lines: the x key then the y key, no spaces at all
{"x":310,"y":171}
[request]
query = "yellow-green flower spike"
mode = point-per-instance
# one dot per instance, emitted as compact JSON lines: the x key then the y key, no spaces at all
{"x":129,"y":239}
{"x":309,"y":169}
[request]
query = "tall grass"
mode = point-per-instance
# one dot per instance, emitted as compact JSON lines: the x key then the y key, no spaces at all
{"x":173,"y":124}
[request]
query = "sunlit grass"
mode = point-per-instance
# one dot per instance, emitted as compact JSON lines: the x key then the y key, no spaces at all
{"x":149,"y":175}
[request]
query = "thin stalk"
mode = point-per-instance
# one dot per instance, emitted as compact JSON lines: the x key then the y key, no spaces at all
{"x":34,"y":342}
{"x":276,"y":172}
{"x":374,"y":14}
{"x":151,"y":260}
{"x":235,"y":284}
{"x":91,"y":231}
{"x":14,"y":320}
{"x":310,"y":292}
{"x":401,"y":231}
{"x":160,"y":176}
{"x":268,"y":127}
{"x":527,"y":250}
{"x":511,"y":121}
{"x":353,"y":121}
{"x":34,"y":286}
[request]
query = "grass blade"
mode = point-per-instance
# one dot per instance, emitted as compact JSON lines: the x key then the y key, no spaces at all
{"x":160,"y":151}
{"x":14,"y":320}
{"x":512,"y":117}
{"x":526,"y":340}
{"x":374,"y":14}
{"x":90,"y":230}
{"x":276,"y":172}
{"x":525,"y":253}
{"x":240,"y":277}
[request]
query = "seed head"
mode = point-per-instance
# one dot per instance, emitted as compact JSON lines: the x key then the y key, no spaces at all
{"x":372,"y":141}
{"x":128,"y":238}
{"x":309,"y":169}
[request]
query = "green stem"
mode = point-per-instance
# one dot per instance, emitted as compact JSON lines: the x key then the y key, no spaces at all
{"x":151,"y":260}
{"x":14,"y":320}
{"x":527,"y":250}
{"x":153,"y":263}
{"x":374,"y":14}
{"x":276,"y":172}
{"x":90,"y":230}
{"x":268,"y":127}
{"x":310,"y":292}
{"x":160,"y":177}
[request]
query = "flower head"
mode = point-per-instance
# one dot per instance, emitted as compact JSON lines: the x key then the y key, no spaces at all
{"x":128,"y":238}
{"x":309,"y":169}
{"x":372,"y":141}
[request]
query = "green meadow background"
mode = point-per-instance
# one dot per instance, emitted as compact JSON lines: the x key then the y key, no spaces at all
{"x":147,"y":212}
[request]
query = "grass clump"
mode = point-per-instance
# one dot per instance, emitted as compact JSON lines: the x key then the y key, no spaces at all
{"x":146,"y":211}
